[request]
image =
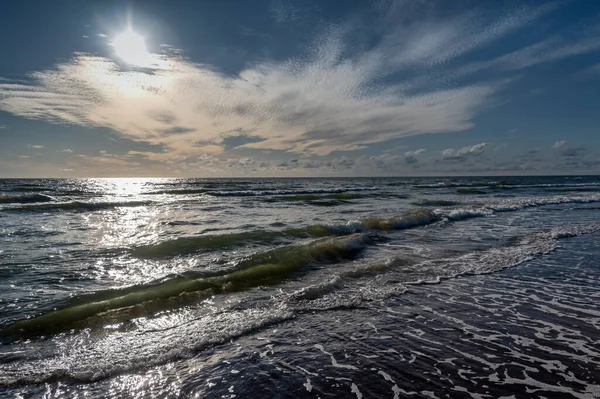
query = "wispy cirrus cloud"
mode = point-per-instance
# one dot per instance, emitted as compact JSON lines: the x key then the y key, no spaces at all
{"x":555,"y":48}
{"x":340,"y":95}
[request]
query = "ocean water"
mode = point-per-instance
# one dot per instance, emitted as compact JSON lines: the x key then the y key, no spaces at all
{"x":356,"y":287}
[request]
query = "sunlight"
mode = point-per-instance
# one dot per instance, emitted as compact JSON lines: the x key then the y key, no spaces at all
{"x":131,"y":48}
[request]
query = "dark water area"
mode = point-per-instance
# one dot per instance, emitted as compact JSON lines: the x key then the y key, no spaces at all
{"x":366,"y":287}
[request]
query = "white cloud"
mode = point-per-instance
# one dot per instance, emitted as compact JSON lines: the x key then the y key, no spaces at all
{"x":68,"y":150}
{"x":414,"y":153}
{"x":462,"y":153}
{"x":317,"y":106}
{"x":560,"y":144}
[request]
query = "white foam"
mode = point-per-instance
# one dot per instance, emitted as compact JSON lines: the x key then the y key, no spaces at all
{"x":356,"y":391}
{"x":334,"y":362}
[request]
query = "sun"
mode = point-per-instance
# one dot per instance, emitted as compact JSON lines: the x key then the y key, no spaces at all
{"x":131,"y":48}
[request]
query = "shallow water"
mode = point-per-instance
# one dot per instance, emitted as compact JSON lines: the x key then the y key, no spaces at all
{"x":440,"y":287}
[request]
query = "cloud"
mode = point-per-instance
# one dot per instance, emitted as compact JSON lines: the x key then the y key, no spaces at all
{"x":3,"y":126}
{"x":560,"y":144}
{"x":410,"y":157}
{"x":548,"y":50}
{"x":339,"y":95}
{"x":245,"y":162}
{"x":410,"y":160}
{"x":565,"y":150}
{"x":574,"y":152}
{"x":551,"y":49}
{"x":463,"y":153}
{"x":38,"y":146}
{"x":68,"y":150}
{"x":414,"y":153}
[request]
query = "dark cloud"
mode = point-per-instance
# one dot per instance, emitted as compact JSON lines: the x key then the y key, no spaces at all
{"x":238,"y":138}
{"x":410,"y":160}
{"x":565,"y":150}
{"x":178,"y":130}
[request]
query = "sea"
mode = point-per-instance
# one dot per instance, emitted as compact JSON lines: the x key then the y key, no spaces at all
{"x":436,"y":287}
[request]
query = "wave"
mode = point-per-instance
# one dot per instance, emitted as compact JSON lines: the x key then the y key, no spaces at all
{"x":462,"y":214}
{"x":557,"y":185}
{"x":31,"y":188}
{"x":418,"y":217}
{"x":495,"y":259}
{"x":326,"y":203}
{"x":505,"y":184}
{"x":314,"y":197}
{"x":23,"y":199}
{"x":277,"y":195}
{"x":190,"y":245}
{"x":574,"y":189}
{"x":427,"y":202}
{"x":262,"y":269}
{"x":78,"y":205}
{"x":84,"y":362}
{"x":252,"y":193}
{"x":339,"y":291}
{"x":483,"y":184}
{"x":518,"y":204}
{"x":488,"y":208}
{"x":180,"y":191}
{"x":470,"y":190}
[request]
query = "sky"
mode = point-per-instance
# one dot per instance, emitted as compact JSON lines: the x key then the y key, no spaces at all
{"x":265,"y":88}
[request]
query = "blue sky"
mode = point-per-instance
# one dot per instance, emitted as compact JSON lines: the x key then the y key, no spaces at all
{"x":299,"y":88}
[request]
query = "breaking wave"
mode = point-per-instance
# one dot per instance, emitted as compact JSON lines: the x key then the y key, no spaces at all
{"x":78,"y":205}
{"x":190,"y":245}
{"x":262,"y":269}
{"x":24,"y":199}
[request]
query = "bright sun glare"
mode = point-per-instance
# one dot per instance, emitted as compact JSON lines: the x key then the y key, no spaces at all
{"x":131,"y":48}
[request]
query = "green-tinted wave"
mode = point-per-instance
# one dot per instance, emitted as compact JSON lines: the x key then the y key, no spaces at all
{"x":268,"y":268}
{"x":469,"y":190}
{"x":191,"y":245}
